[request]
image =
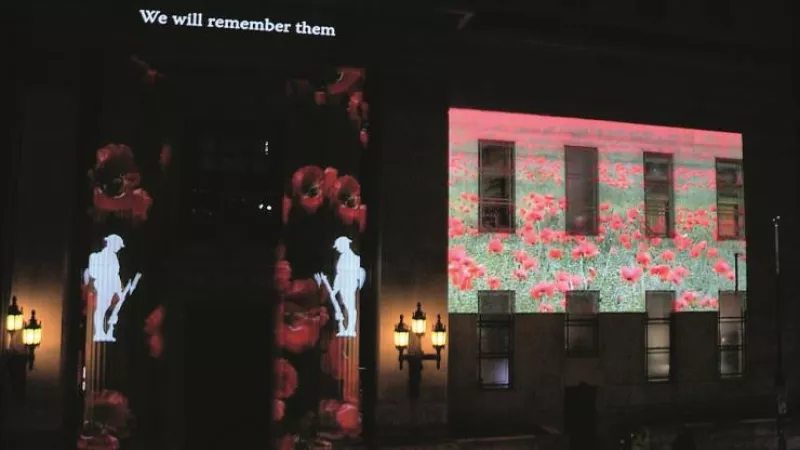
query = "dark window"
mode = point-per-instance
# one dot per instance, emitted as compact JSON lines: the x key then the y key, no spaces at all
{"x":719,"y":14}
{"x":577,"y":4}
{"x":652,"y":10}
{"x":581,"y":330}
{"x":730,"y":200}
{"x":731,"y":334}
{"x":658,"y":334}
{"x":230,"y":181}
{"x":580,"y":164}
{"x":658,"y":195}
{"x":495,"y":339}
{"x":496,"y":180}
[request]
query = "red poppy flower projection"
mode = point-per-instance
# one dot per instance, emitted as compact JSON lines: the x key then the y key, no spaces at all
{"x":546,"y":205}
{"x":122,"y":314}
{"x":116,"y":181}
{"x":319,"y":273}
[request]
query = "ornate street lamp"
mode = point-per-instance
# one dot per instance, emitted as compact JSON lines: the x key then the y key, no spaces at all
{"x":401,"y":339}
{"x":13,"y":320}
{"x":416,"y":356}
{"x":32,"y":337}
{"x":418,"y":321}
{"x":439,"y":335}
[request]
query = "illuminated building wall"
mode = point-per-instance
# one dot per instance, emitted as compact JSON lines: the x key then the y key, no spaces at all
{"x":319,"y":270}
{"x":533,"y":241}
{"x":122,"y":275}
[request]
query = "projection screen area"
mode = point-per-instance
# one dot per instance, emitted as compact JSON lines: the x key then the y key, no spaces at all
{"x":549,"y":208}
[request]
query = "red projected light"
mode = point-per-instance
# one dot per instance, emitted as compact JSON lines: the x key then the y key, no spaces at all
{"x":543,"y":206}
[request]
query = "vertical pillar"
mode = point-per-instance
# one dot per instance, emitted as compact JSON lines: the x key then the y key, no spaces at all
{"x":124,"y":305}
{"x":321,"y":271}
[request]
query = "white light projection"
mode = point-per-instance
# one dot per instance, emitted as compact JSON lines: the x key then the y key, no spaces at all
{"x":103,"y":273}
{"x":349,"y":279}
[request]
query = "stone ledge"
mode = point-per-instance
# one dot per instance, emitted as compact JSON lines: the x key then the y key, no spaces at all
{"x":518,"y":442}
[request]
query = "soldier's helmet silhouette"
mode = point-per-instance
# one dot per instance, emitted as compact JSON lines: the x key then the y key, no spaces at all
{"x":114,"y":243}
{"x":342,"y":244}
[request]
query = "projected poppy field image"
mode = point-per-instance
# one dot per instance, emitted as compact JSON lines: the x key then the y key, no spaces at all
{"x":543,"y":206}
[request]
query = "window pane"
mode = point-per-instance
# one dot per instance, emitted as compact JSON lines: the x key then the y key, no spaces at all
{"x":658,"y":365}
{"x":657,"y":167}
{"x":658,"y":194}
{"x":731,"y":362}
{"x":495,"y":303}
{"x":582,"y":303}
{"x":656,"y":204}
{"x":658,"y":335}
{"x":496,"y":157}
{"x":657,"y":224}
{"x":727,"y":225}
{"x":580,"y":338}
{"x":730,"y":199}
{"x":497,"y":217}
{"x":656,"y":191}
{"x":495,"y":187}
{"x":581,"y":190}
{"x":657,"y":215}
{"x":730,"y":305}
{"x":494,"y":372}
{"x":659,"y":304}
{"x":729,"y":194}
{"x":731,"y":333}
{"x":581,"y":161}
{"x":729,"y":173}
{"x":232,"y":159}
{"x":581,"y":217}
{"x":495,"y":339}
{"x":730,"y":219}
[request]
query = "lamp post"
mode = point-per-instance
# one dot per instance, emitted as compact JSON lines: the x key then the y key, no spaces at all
{"x":780,"y":381}
{"x":13,"y":321}
{"x":18,"y":362}
{"x":416,"y":357}
{"x":32,"y":337}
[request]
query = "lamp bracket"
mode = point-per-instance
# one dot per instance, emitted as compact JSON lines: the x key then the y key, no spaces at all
{"x":423,"y":357}
{"x":415,"y":359}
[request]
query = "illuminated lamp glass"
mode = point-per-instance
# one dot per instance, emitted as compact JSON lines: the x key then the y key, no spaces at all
{"x":401,"y":335}
{"x":418,"y":321}
{"x":14,"y":318}
{"x":32,"y":332}
{"x":439,"y":334}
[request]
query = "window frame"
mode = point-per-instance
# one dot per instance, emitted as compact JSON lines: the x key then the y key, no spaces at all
{"x":740,"y":348}
{"x":668,"y":321}
{"x":510,"y":147}
{"x":739,"y":221}
{"x":507,"y":323}
{"x":583,"y":321}
{"x":670,"y":222}
{"x":594,"y":182}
